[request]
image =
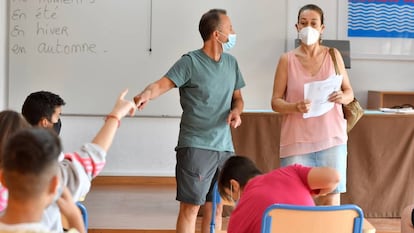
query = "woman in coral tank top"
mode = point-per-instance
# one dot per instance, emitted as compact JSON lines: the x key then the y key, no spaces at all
{"x":319,"y":140}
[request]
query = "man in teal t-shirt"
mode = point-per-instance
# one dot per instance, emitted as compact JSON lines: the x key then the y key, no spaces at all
{"x":209,"y":82}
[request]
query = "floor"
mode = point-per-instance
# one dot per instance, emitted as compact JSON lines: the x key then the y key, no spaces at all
{"x":152,"y":208}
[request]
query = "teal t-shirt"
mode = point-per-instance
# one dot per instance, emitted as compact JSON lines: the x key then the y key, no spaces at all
{"x":206,"y":90}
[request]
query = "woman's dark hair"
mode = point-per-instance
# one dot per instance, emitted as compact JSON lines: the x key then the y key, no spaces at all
{"x":239,"y":168}
{"x":10,"y":122}
{"x":210,"y":22}
{"x":312,"y":7}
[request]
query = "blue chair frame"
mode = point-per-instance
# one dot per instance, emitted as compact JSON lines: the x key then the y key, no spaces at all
{"x":216,"y":201}
{"x":84,"y":212}
{"x":267,"y":219}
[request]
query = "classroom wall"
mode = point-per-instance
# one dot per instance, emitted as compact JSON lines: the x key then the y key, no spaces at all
{"x":3,"y":54}
{"x":145,"y":145}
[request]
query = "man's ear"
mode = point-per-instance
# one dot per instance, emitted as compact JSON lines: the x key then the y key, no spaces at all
{"x":216,"y":34}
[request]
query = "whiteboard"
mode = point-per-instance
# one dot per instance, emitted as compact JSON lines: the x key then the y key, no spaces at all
{"x":88,"y":51}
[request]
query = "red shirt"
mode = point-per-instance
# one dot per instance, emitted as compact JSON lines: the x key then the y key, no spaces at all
{"x":287,"y":185}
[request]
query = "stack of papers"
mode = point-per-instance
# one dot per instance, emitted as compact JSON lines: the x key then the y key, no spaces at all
{"x":397,"y":110}
{"x":318,"y":93}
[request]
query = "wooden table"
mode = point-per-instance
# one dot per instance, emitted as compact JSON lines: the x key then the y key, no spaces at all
{"x":380,"y":175}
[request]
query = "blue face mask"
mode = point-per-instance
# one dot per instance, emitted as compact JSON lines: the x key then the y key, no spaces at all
{"x":231,"y":42}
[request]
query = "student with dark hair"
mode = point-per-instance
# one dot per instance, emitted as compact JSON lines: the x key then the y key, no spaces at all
{"x":30,"y":171}
{"x":209,"y":83}
{"x":76,"y":169}
{"x":242,"y":183}
{"x":43,"y":108}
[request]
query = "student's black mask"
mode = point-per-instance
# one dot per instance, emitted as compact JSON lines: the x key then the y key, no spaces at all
{"x":57,"y":126}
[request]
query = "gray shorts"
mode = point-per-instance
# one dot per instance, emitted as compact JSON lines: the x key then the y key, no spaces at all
{"x":196,"y":172}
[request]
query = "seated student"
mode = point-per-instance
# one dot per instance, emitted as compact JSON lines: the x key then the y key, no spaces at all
{"x":77,"y":169}
{"x":242,"y":182}
{"x":30,"y":171}
{"x":43,"y":109}
{"x":407,"y":220}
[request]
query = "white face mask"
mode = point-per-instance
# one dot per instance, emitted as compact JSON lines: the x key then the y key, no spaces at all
{"x":309,"y":35}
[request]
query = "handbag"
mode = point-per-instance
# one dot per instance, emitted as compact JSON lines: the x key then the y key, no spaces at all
{"x":352,"y":111}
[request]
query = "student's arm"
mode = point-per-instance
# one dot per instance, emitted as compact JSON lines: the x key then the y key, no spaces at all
{"x":237,"y":105}
{"x":70,"y":211}
{"x":152,"y":91}
{"x":106,"y":134}
{"x":324,"y":179}
{"x":78,"y":168}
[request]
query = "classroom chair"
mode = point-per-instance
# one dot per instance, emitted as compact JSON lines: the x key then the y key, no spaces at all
{"x":286,"y":218}
{"x":216,"y":201}
{"x":84,"y":212}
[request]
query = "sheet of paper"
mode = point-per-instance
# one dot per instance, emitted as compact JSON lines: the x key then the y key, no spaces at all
{"x":398,"y":110}
{"x":318,"y":92}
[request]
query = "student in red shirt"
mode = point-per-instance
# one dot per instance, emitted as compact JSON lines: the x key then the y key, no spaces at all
{"x":243,"y":183}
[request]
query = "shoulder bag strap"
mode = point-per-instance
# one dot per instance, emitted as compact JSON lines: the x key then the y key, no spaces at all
{"x":332,"y":52}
